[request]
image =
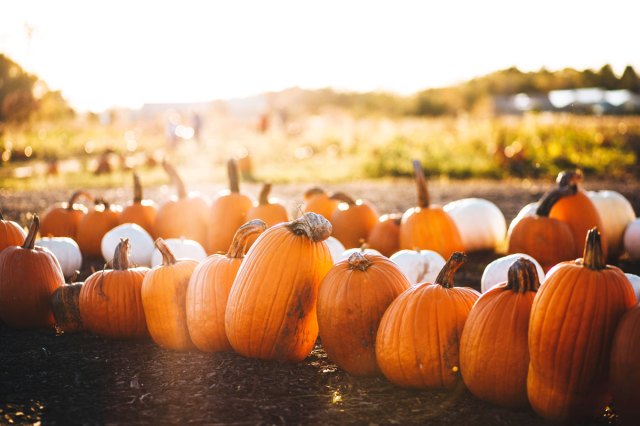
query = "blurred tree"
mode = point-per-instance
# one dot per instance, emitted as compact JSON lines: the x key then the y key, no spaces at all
{"x":608,"y":79}
{"x":629,"y":80}
{"x":16,"y":92}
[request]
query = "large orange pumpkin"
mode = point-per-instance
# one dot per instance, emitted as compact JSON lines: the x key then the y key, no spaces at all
{"x":494,"y":353}
{"x":548,"y":240}
{"x":428,"y":226}
{"x":184,"y":216}
{"x":28,"y":277}
{"x":573,"y":320}
{"x":228,"y":212}
{"x":385,"y":235}
{"x":271,"y":310}
{"x":353,"y":220}
{"x":316,"y":200}
{"x":577,"y":210}
{"x":209,"y":289}
{"x":92,"y":227}
{"x":417,"y":344}
{"x":625,"y":374}
{"x":164,"y":293}
{"x":11,"y":234}
{"x":140,"y":211}
{"x":110,"y":300}
{"x":62,"y":219}
{"x":351,"y":301}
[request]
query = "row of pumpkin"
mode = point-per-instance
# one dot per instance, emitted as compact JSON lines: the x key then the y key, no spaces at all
{"x":562,"y":347}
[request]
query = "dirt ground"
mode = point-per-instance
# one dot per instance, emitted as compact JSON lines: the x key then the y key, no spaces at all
{"x":63,"y":379}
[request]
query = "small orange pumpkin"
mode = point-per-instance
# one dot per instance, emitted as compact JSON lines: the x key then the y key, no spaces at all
{"x":353,"y":220}
{"x":62,"y":219}
{"x":494,"y":353}
{"x":28,"y":277}
{"x":428,"y":227}
{"x":164,"y":293}
{"x":385,"y":235}
{"x":316,"y":200}
{"x":227,"y":213}
{"x":11,"y":234}
{"x":271,"y":212}
{"x":65,"y":303}
{"x":92,"y":227}
{"x":110,"y":300}
{"x":625,"y":375}
{"x":140,"y":211}
{"x":209,"y":288}
{"x":351,"y":301}
{"x":417,"y":345}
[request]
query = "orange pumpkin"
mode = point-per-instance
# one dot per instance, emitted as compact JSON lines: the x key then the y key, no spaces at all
{"x":573,"y":320}
{"x":271,"y":212}
{"x":494,"y":353}
{"x":385,"y":235}
{"x":62,"y":220}
{"x":428,"y":227}
{"x":227,"y":213}
{"x":316,"y":200}
{"x":577,"y":210}
{"x":353,"y":220}
{"x":92,"y":227}
{"x":351,"y":301}
{"x":548,"y":240}
{"x":271,"y":310}
{"x":28,"y":277}
{"x":11,"y":234}
{"x":625,"y":375}
{"x":164,"y":294}
{"x":110,"y":300}
{"x":184,"y":216}
{"x":140,"y":211}
{"x":65,"y":303}
{"x":417,"y":345}
{"x":209,"y":289}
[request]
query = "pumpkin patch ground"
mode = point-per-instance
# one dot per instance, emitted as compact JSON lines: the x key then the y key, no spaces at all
{"x":65,"y":378}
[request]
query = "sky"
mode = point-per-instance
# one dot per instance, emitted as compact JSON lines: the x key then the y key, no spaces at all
{"x":104,"y":54}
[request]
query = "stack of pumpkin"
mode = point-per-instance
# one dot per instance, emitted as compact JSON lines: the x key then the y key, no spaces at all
{"x":519,"y":344}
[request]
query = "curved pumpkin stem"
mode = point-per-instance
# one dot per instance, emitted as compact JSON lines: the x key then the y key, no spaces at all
{"x":342,"y":197}
{"x":311,"y":192}
{"x":121,"y":255}
{"x":137,"y":189}
{"x":76,"y":195}
{"x":175,"y":179}
{"x":241,"y":237}
{"x":445,"y":277}
{"x":100,"y":201}
{"x":167,"y":255}
{"x":523,"y":276}
{"x":30,"y":240}
{"x":264,"y":194}
{"x":358,"y":261}
{"x":312,"y":225}
{"x":593,"y":257}
{"x":421,"y":185}
{"x":1,"y":217}
{"x":569,"y":178}
{"x":552,"y":197}
{"x":234,"y":178}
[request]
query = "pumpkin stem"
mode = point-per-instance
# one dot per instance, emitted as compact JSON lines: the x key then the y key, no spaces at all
{"x":100,"y":201}
{"x":121,"y":255}
{"x":316,"y":190}
{"x":593,"y":257}
{"x":342,"y":197}
{"x":421,"y":185}
{"x":76,"y":195}
{"x":445,"y":277}
{"x":30,"y":240}
{"x":1,"y":217}
{"x":358,"y":261}
{"x":137,"y":189}
{"x":552,"y":197}
{"x":241,"y":237}
{"x":569,"y":178}
{"x":312,"y":225}
{"x":234,"y":179}
{"x":264,"y":194}
{"x":167,"y":255}
{"x":523,"y":276}
{"x":175,"y":179}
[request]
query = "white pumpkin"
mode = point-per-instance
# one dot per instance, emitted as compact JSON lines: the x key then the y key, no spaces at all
{"x":336,"y":248}
{"x":631,"y":239}
{"x":182,"y":249}
{"x":528,"y":210}
{"x":419,"y":265}
{"x":497,"y":271}
{"x":635,"y":283}
{"x":481,"y":223}
{"x":67,"y":252}
{"x":616,"y":213}
{"x":140,"y":240}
